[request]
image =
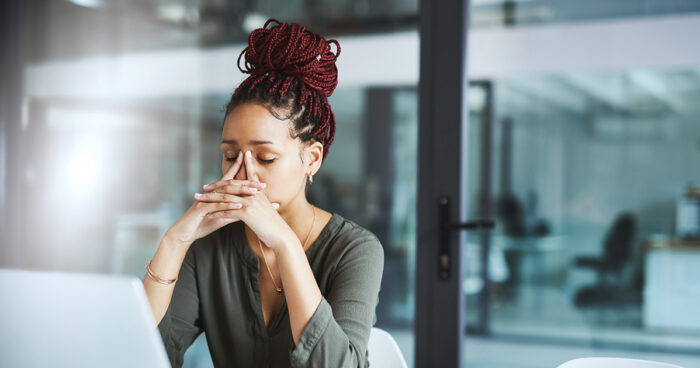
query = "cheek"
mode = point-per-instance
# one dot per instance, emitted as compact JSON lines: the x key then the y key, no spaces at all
{"x":281,"y":181}
{"x":275,"y":178}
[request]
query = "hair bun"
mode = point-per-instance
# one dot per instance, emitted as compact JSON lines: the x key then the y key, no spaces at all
{"x":294,"y":50}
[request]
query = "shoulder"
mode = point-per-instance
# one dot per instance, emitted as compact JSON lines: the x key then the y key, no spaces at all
{"x":354,"y":260}
{"x":351,"y":241}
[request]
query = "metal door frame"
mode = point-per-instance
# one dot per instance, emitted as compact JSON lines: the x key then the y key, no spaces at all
{"x":442,"y":178}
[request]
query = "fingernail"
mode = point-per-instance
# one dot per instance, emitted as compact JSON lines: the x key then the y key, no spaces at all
{"x":198,"y":195}
{"x":205,"y":186}
{"x":276,"y":205}
{"x":252,"y":190}
{"x":248,"y":154}
{"x":262,"y":185}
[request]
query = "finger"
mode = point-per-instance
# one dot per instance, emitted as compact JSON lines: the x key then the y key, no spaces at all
{"x":219,"y":197}
{"x":223,"y":221}
{"x":232,"y":213}
{"x":250,"y":167}
{"x":226,"y":217}
{"x":210,"y":208}
{"x":234,"y":182}
{"x":235,"y":214}
{"x":233,"y":170}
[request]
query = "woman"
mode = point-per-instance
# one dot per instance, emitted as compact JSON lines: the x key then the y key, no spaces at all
{"x":271,"y":279}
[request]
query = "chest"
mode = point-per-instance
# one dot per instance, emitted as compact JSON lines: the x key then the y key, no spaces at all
{"x":270,"y":300}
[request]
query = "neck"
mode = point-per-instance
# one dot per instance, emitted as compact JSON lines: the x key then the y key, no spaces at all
{"x":299,"y":215}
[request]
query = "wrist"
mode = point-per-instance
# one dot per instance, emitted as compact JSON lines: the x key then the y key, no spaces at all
{"x":172,"y":242}
{"x":286,"y":244}
{"x":167,"y":260}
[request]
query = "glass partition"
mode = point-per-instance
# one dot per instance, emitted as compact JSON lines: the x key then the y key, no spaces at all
{"x":121,"y":124}
{"x":595,"y":193}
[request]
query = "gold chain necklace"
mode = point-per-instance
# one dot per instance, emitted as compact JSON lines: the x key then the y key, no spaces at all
{"x":277,"y":288}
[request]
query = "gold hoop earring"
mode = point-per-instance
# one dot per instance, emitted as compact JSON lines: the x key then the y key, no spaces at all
{"x":311,"y":179}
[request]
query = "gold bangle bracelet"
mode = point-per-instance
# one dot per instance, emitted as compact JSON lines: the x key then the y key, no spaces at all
{"x":155,"y":278}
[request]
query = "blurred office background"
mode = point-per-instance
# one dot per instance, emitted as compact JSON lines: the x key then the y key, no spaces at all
{"x":584,"y":146}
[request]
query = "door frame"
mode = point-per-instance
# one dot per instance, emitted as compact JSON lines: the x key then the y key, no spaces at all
{"x":442,"y":176}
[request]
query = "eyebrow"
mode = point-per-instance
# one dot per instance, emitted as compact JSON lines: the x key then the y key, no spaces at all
{"x":253,"y":142}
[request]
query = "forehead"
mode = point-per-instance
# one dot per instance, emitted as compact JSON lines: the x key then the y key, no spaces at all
{"x":248,"y":122}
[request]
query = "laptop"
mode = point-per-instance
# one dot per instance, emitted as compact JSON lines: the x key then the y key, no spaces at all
{"x":61,"y":319}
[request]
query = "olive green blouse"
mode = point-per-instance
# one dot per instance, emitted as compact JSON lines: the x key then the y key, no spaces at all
{"x":217,"y":293}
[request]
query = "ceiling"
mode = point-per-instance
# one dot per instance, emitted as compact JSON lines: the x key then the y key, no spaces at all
{"x":69,"y":29}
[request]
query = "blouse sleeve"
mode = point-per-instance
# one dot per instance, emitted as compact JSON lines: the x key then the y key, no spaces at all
{"x":338,"y":332}
{"x":181,"y":324}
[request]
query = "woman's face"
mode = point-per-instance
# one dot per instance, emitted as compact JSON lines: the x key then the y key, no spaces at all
{"x":276,"y":156}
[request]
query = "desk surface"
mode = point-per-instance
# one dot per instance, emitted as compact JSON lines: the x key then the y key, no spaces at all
{"x":672,"y":244}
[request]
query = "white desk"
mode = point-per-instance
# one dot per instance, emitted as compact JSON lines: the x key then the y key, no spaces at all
{"x":672,"y":286}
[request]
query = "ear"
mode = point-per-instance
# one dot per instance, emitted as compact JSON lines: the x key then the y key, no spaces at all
{"x":313,"y":157}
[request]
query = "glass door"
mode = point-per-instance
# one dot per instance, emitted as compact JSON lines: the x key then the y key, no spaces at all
{"x":586,"y":162}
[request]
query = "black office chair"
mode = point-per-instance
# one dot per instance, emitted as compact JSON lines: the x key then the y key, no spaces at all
{"x":609,"y":288}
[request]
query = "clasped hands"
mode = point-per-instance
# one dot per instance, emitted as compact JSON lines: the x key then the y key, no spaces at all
{"x":248,"y":202}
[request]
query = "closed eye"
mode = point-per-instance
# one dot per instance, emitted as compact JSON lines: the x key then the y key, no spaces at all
{"x":231,"y":159}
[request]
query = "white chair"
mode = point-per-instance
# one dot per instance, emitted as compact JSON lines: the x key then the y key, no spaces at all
{"x":614,"y":363}
{"x":383,"y":350}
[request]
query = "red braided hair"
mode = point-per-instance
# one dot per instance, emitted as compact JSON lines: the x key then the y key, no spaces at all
{"x":292,"y":69}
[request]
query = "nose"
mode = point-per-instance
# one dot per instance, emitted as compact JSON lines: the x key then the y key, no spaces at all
{"x":241,"y":174}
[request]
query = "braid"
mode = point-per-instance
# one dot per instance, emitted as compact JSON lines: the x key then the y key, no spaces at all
{"x":293,"y":69}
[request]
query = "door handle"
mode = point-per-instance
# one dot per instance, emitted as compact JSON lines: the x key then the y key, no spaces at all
{"x":446,"y":226}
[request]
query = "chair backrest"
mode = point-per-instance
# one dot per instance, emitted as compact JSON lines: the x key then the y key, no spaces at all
{"x":619,"y":240}
{"x":600,"y":362}
{"x":383,"y":350}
